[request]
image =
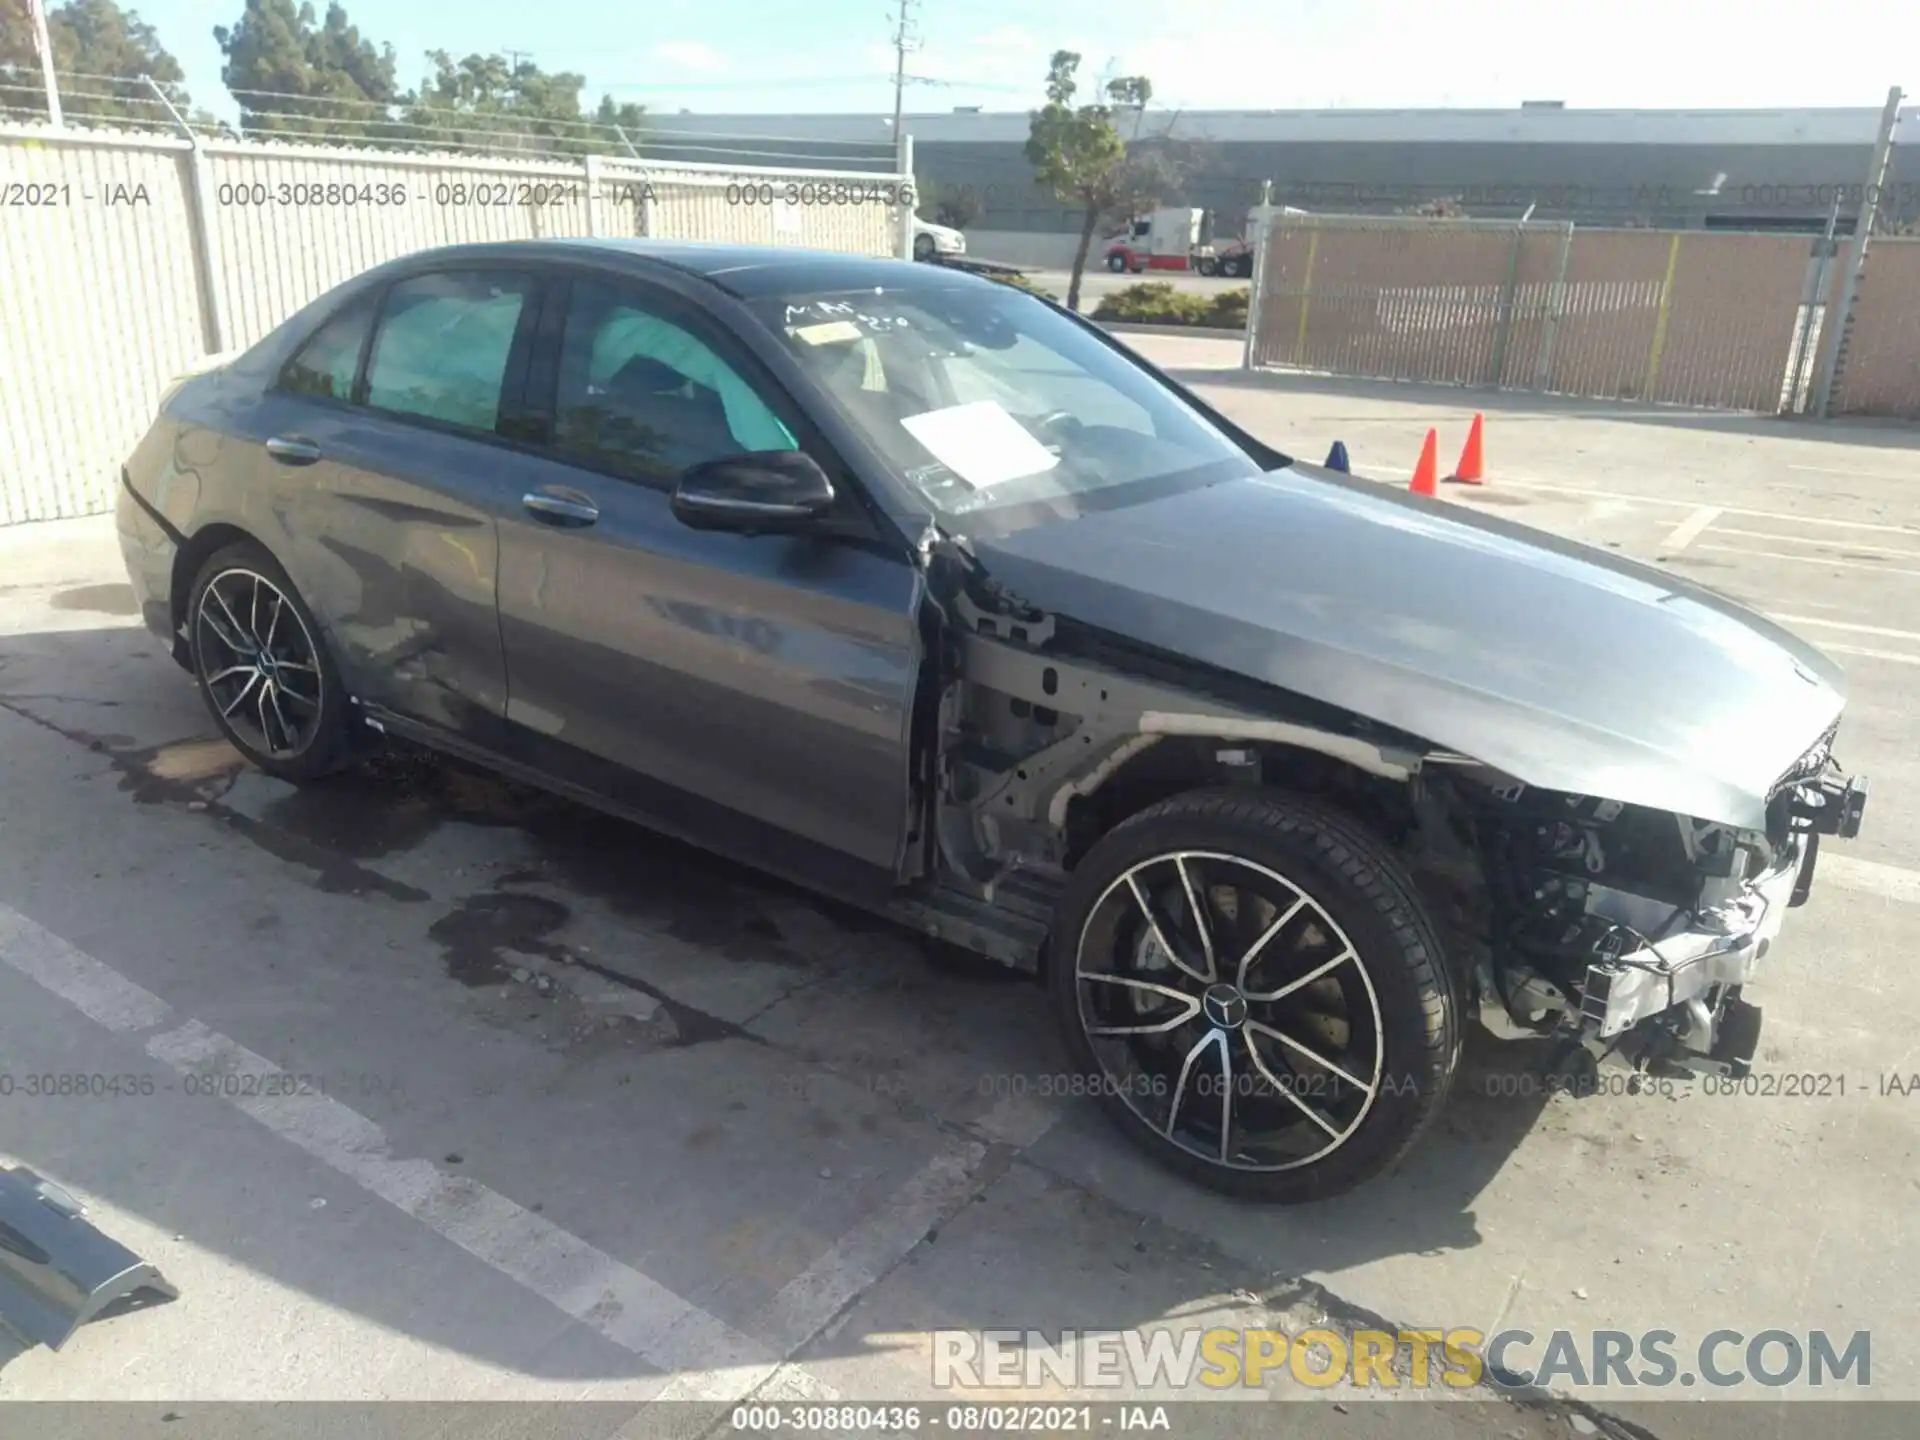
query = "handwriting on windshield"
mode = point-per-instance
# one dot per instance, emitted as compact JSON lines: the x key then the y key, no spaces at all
{"x":845,"y":311}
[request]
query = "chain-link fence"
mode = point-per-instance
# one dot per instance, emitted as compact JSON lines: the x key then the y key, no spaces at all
{"x":1711,"y":319}
{"x":124,"y":258}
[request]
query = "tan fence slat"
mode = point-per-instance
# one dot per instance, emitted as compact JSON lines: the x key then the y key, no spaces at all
{"x":1700,"y":318}
{"x":1882,"y":374}
{"x":98,"y":310}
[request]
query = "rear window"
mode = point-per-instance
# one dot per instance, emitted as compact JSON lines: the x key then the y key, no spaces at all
{"x":443,"y":346}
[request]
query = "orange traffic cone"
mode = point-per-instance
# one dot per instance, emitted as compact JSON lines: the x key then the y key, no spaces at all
{"x":1427,"y":471}
{"x":1472,"y":469}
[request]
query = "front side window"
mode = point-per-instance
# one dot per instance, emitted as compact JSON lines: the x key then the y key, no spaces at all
{"x":442,"y":349}
{"x":645,"y":397}
{"x":326,"y":365}
{"x":987,"y":400}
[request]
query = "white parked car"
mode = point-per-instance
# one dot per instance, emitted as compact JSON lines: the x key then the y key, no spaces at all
{"x":930,"y":240}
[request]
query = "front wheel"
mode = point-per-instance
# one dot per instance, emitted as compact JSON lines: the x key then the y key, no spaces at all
{"x":1250,"y":982}
{"x":1117,"y":264}
{"x":923,"y":247}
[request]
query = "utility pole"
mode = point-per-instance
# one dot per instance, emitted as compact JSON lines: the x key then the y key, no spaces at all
{"x":37,"y":13}
{"x":1836,"y":358}
{"x":902,"y":38}
{"x":514,"y":57}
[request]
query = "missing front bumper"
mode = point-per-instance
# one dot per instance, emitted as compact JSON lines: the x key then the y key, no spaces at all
{"x":1686,"y":978}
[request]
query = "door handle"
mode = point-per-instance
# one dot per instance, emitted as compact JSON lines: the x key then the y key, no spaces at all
{"x":293,"y":450}
{"x":575,"y":509}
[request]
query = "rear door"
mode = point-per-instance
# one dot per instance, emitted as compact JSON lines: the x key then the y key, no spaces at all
{"x":766,"y":677}
{"x":393,"y":427}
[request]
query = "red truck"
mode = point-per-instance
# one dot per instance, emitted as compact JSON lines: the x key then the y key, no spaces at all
{"x":1174,"y":238}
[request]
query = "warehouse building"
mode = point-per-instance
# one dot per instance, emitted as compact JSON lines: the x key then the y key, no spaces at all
{"x":1778,"y":169}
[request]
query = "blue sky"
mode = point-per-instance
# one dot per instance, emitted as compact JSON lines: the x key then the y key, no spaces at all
{"x":771,"y":56}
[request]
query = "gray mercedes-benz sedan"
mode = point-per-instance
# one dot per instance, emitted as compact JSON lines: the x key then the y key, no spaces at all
{"x":920,"y":591}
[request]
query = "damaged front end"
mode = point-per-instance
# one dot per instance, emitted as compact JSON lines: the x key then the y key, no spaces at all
{"x":1629,"y":934}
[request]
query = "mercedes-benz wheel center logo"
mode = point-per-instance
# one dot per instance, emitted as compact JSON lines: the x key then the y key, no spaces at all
{"x":1226,"y":1007}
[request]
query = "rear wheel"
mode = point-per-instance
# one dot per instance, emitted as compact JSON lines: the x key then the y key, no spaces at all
{"x":265,"y":675}
{"x":1249,"y":981}
{"x":923,"y":247}
{"x":1207,"y":265}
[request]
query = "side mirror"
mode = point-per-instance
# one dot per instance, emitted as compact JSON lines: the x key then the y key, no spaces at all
{"x":762,"y":491}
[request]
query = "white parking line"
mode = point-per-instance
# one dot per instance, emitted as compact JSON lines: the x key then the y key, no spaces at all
{"x":1811,"y":560}
{"x":1550,"y":488}
{"x":1862,"y":650}
{"x":98,"y":991}
{"x":622,"y":1304}
{"x":1862,"y":474}
{"x":1858,"y":545}
{"x":1891,"y":881}
{"x":703,"y":1357}
{"x":867,"y":1252}
{"x":1851,"y":625}
{"x":1688,"y":530}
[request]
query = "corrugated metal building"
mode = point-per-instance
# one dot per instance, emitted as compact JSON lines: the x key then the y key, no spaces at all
{"x":1744,"y":169}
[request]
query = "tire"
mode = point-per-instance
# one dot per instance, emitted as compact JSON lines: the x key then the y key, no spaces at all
{"x":1343,"y":1096}
{"x":240,"y":598}
{"x":1117,"y":264}
{"x":1230,"y":267}
{"x":1207,"y":265}
{"x":923,"y":247}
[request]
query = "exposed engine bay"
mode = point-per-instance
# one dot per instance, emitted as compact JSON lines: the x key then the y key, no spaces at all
{"x":1623,"y":933}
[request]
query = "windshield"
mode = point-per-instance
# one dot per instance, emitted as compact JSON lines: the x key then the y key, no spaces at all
{"x":987,"y":400}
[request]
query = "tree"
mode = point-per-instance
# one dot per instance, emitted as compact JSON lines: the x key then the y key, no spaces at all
{"x":625,"y":119}
{"x":955,"y":206}
{"x":100,"y":52}
{"x":1441,"y":207}
{"x":326,"y":84}
{"x":485,"y":103}
{"x":1077,"y":153}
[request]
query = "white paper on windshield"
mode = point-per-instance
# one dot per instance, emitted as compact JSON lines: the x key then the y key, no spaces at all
{"x":828,"y":332}
{"x":981,"y":443}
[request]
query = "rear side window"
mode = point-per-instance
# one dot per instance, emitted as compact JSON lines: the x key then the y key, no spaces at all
{"x":326,"y":365}
{"x":443,"y":345}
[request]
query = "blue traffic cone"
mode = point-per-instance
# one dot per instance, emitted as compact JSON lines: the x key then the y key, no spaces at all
{"x":1337,"y":458}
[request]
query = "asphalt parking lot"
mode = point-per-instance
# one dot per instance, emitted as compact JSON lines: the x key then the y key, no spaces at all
{"x":585,"y":1115}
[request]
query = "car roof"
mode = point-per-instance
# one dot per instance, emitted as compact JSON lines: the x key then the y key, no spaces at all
{"x":747,"y":271}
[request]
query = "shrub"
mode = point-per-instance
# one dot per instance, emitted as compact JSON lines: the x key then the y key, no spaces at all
{"x":1156,"y":302}
{"x":1019,"y":281}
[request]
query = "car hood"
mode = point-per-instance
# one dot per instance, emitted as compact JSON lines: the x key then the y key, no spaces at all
{"x":1565,"y":666}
